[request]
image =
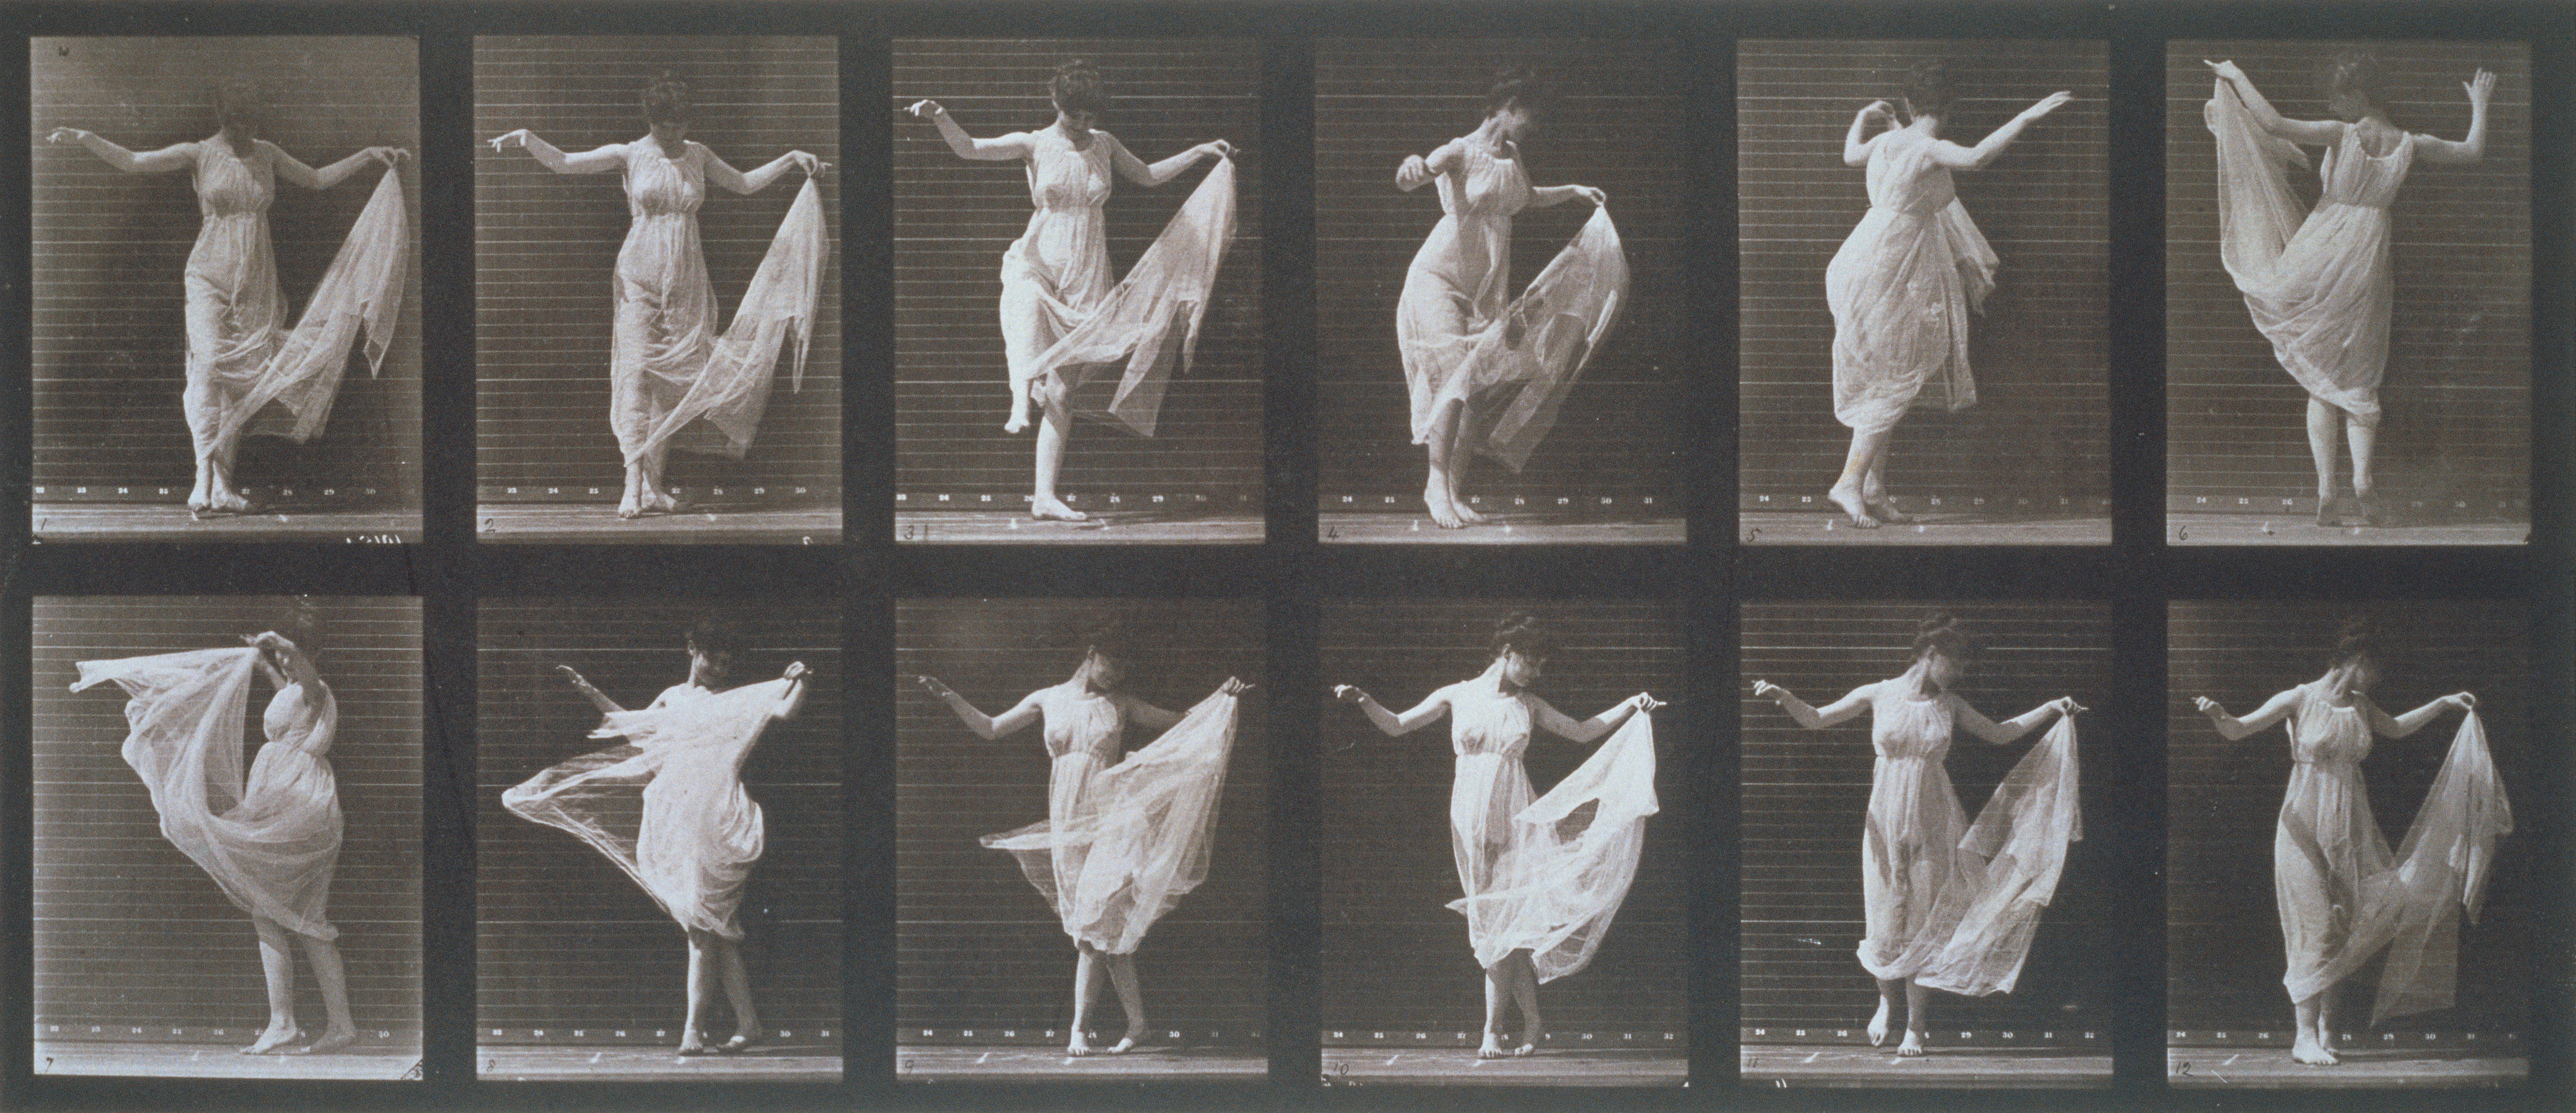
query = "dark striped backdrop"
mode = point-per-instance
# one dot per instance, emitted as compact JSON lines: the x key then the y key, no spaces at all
{"x":976,"y":948}
{"x":954,"y":218}
{"x":2458,"y":389}
{"x":1394,"y":958}
{"x":110,"y":336}
{"x":1807,"y":792}
{"x":1619,"y":123}
{"x":2041,"y":427}
{"x":546,"y":254}
{"x":563,"y":938}
{"x":2223,"y":960}
{"x":130,"y":932}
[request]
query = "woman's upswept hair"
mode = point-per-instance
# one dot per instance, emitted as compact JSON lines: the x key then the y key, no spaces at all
{"x":2357,"y":72}
{"x":1076,"y":87}
{"x":1516,"y":85}
{"x":239,"y":100}
{"x":666,"y":100}
{"x":1525,"y":632}
{"x":2356,"y":639}
{"x":716,"y":637}
{"x":1927,"y":88}
{"x":1108,"y":636}
{"x":1939,"y":632}
{"x":301,"y":623}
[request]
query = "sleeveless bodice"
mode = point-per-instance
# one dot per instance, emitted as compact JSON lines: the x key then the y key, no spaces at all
{"x":1489,"y":724}
{"x":1062,"y":176}
{"x":1488,"y":187}
{"x":660,"y":186}
{"x":231,"y":185}
{"x":2322,"y":733}
{"x":1904,"y":179}
{"x":1904,"y":727}
{"x":1080,"y":722}
{"x":2354,"y":176}
{"x":299,"y":723}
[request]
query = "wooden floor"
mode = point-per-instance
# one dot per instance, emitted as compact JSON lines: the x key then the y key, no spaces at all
{"x":1794,"y":527}
{"x":629,"y":1063}
{"x":92,"y":521}
{"x":920,"y":1063}
{"x":1503,"y":529}
{"x":1459,"y":1066}
{"x":2251,"y":529}
{"x":1138,"y":527}
{"x":1982,"y":1068}
{"x":201,"y":1060}
{"x":595,"y":523}
{"x":2272,"y":1068}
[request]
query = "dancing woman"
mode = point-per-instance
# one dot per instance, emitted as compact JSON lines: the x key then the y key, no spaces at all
{"x":1123,"y":840}
{"x":669,"y":367}
{"x":269,"y":840}
{"x":2343,"y":898}
{"x":698,"y":834}
{"x":1949,"y":905}
{"x":2317,"y":282}
{"x":1905,"y":280}
{"x":1538,"y":895}
{"x":1486,"y":371}
{"x":242,"y":357}
{"x":1065,"y":320}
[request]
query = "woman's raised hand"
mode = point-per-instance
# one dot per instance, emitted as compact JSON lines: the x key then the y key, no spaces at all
{"x":796,"y":670}
{"x":1233,"y":686}
{"x":1218,"y":147}
{"x":576,"y":678}
{"x":2208,"y":706}
{"x":1412,"y":173}
{"x":1349,"y":693}
{"x":2462,"y":700}
{"x":509,"y":139}
{"x":67,"y":135}
{"x":1764,"y":689}
{"x":2225,"y":70}
{"x":1644,"y":702}
{"x":925,"y":110}
{"x":2480,"y":87}
{"x":2047,"y":104}
{"x":932,"y":685}
{"x":390,"y":156}
{"x":2067,"y":706}
{"x":1878,"y":110}
{"x":812,"y":164}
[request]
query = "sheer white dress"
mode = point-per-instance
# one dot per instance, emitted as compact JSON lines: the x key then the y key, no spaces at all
{"x":1901,"y":289}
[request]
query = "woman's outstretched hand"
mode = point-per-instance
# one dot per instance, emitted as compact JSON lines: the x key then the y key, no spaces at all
{"x":1218,"y":147}
{"x":390,"y":156}
{"x":68,"y":135}
{"x":812,"y":164}
{"x":1349,"y":693}
{"x":2226,"y":70}
{"x":796,"y":670}
{"x":2480,"y":87}
{"x":2047,"y":104}
{"x":2462,"y":700}
{"x":932,"y":685}
{"x":1764,"y":689}
{"x":1644,"y":702}
{"x":1233,"y":686}
{"x":2066,"y":706}
{"x":578,"y":682}
{"x":925,"y":110}
{"x":2208,"y":706}
{"x":509,"y":139}
{"x":1591,"y":194}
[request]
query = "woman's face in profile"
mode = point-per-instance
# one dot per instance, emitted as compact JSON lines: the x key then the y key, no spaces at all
{"x":1106,"y":671}
{"x":708,"y":667}
{"x":1514,"y":123}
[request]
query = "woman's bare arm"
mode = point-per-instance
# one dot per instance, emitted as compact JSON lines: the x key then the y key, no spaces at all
{"x":2010,"y":730}
{"x":1857,"y":141}
{"x":986,"y":727}
{"x":2314,"y":133}
{"x":2403,"y":725}
{"x":296,"y":173}
{"x":1004,"y":148}
{"x":1149,"y":175}
{"x":1957,"y":157}
{"x":1595,"y":728}
{"x":723,"y":174}
{"x":594,"y":161}
{"x":177,"y":156}
{"x":2232,"y":728}
{"x":596,"y":697}
{"x":1816,"y":718}
{"x":1422,"y":715}
{"x":792,"y":700}
{"x":1417,"y":171}
{"x":2432,"y":149}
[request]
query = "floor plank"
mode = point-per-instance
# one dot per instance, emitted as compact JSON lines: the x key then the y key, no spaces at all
{"x":201,"y":1060}
{"x":1138,"y":527}
{"x":2255,"y":529}
{"x":627,"y":1063}
{"x":1797,"y":527}
{"x":75,"y":521}
{"x":2272,"y":1068}
{"x":1459,"y":1066}
{"x":597,"y":523}
{"x":1502,"y":529}
{"x":924,"y":1063}
{"x":1842,"y":1065}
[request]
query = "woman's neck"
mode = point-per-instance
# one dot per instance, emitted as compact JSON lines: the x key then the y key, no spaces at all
{"x":1495,"y":675}
{"x":1926,"y":125}
{"x":1918,"y":681}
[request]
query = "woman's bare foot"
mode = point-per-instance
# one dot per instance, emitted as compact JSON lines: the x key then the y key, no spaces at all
{"x":1492,"y":1048}
{"x":1878,"y":1023}
{"x":1883,"y":510}
{"x":1126,"y":1043}
{"x":1850,"y":501}
{"x":1080,"y":1046}
{"x":1052,"y":509}
{"x":2307,"y":1050}
{"x":271,"y":1038}
{"x":1912,"y":1047}
{"x":333,"y":1039}
{"x":1019,"y":413}
{"x":1444,"y":513}
{"x":742,"y":1038}
{"x":1530,"y":1035}
{"x":694,"y":1046}
{"x":655,"y":501}
{"x":2326,"y":511}
{"x":1466,"y":511}
{"x":630,"y":507}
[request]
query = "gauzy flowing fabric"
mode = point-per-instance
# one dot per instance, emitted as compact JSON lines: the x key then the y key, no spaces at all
{"x":247,"y":372}
{"x":1509,"y":360}
{"x":1901,"y":288}
{"x":1950,"y":904}
{"x":2317,"y":282}
{"x":2343,"y":898}
{"x":674,"y":381}
{"x":1554,"y":874}
{"x":269,"y":841}
{"x":1123,"y":842}
{"x":667,"y":804}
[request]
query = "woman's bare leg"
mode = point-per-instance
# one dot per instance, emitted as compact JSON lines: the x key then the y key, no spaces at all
{"x":630,"y":502}
{"x":339,"y":1030}
{"x":654,"y":495}
{"x":702,"y":978}
{"x":1020,"y":395}
{"x":1866,"y":448}
{"x":1131,"y":999}
{"x":2312,"y":1045}
{"x":1524,"y":985}
{"x":1873,"y":486}
{"x":1498,"y":994}
{"x":2322,"y":419}
{"x":1462,"y":455}
{"x":1918,"y":1015}
{"x":1086,"y":989}
{"x":1436,"y":487}
{"x":2362,"y":438}
{"x":277,"y":964}
{"x":737,"y":988}
{"x":1888,"y":988}
{"x":1054,"y":429}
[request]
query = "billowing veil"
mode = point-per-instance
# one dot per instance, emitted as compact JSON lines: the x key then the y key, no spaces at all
{"x":1526,"y":359}
{"x":1572,"y":857}
{"x":2008,"y":867}
{"x":361,"y":289}
{"x":1143,"y":833}
{"x":667,"y":804}
{"x":778,"y":307}
{"x":1114,"y":365}
{"x":2440,"y":872}
{"x":185,"y":714}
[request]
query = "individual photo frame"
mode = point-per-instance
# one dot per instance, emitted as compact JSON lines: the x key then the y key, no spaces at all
{"x":657,"y":351}
{"x":1077,"y":286}
{"x":228,"y":837}
{"x":1081,"y":829}
{"x":2348,"y":304}
{"x":1922,"y":906}
{"x":1504,"y":885}
{"x":657,"y":881}
{"x":1501,"y":358}
{"x":1925,"y":291}
{"x":2349,"y":902}
{"x":227,"y":306}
